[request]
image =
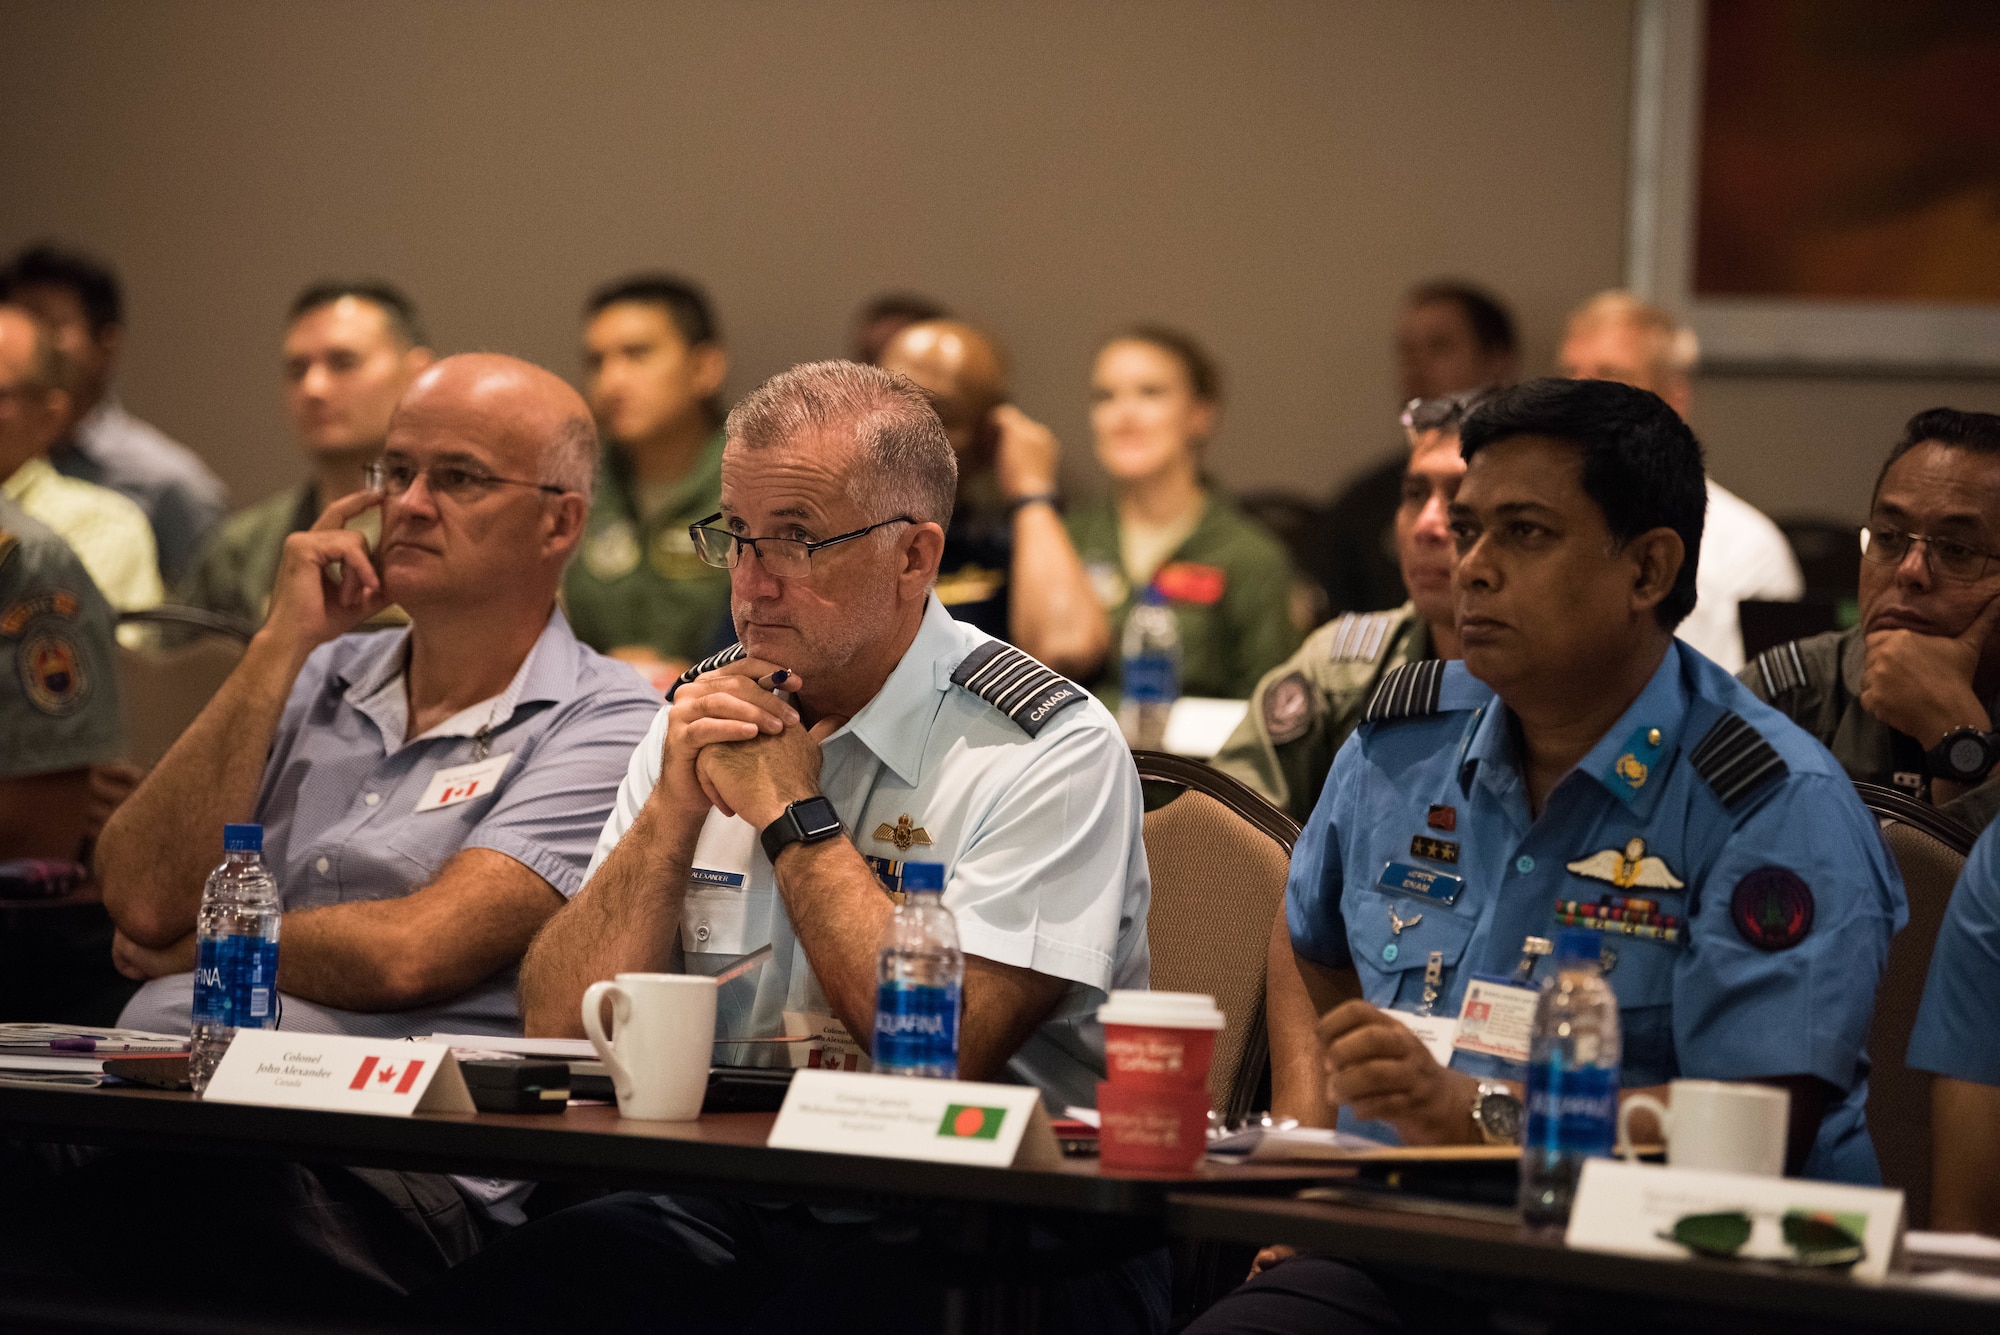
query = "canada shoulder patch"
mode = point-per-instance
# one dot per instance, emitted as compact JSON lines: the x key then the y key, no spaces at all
{"x":1288,"y":708}
{"x":1772,"y":908}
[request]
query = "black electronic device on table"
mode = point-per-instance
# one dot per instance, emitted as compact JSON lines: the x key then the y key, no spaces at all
{"x":730,"y":1088}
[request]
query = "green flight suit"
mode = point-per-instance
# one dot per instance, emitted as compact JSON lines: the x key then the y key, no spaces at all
{"x":1306,"y":706}
{"x":638,"y":579}
{"x":238,"y":565}
{"x":1229,"y":583}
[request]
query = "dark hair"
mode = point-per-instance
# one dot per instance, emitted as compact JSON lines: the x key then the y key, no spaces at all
{"x":49,"y":265}
{"x":1203,"y":375}
{"x":1641,"y":464}
{"x":1978,"y":432}
{"x":391,"y":300}
{"x":908,"y":306}
{"x":686,"y":304}
{"x":1492,"y":323}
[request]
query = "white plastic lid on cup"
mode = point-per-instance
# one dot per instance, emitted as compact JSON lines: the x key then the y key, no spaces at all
{"x":1162,"y":1010}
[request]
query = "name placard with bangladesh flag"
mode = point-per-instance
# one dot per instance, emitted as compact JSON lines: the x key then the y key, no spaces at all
{"x":899,"y":1117}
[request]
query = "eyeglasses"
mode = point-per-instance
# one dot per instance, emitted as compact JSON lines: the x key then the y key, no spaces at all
{"x":1815,"y":1239}
{"x":787,"y":558}
{"x":1949,"y":560}
{"x":392,"y":477}
{"x":1441,"y":411}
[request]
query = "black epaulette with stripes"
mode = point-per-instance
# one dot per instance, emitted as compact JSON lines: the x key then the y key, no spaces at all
{"x":1410,"y":691}
{"x":1017,"y":685}
{"x":1734,"y":759}
{"x":709,"y":664}
{"x":1781,"y":669}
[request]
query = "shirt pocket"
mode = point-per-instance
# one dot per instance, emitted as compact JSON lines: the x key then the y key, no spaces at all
{"x":724,"y":914}
{"x":1641,"y":974}
{"x":1391,"y":963}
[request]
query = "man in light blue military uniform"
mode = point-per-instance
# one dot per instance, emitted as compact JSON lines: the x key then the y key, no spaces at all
{"x":1956,"y":1040}
{"x":752,"y":818}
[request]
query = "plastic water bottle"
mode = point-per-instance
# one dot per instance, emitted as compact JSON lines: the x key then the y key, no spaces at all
{"x":236,"y":942}
{"x":1150,"y":671}
{"x":919,"y":977}
{"x":1572,"y":1078}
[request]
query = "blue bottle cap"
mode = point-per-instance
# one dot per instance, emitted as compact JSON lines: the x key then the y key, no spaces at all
{"x":923,"y":878}
{"x":242,"y":838}
{"x":1579,"y":945}
{"x":1154,"y":596}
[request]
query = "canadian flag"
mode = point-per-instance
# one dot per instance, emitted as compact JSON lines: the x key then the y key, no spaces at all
{"x":458,"y":792}
{"x":385,"y":1075}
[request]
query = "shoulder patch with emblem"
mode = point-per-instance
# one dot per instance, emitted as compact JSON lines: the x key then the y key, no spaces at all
{"x":1410,"y":691}
{"x":1734,"y":759}
{"x":1772,"y":908}
{"x":1017,"y":685}
{"x":709,"y":664}
{"x":1288,"y":708}
{"x":51,"y":670}
{"x":1359,"y":637}
{"x":1781,"y":669}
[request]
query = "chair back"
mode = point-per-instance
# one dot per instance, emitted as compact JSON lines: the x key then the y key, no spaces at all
{"x":1930,"y":850}
{"x":1218,"y":854}
{"x":166,"y":679}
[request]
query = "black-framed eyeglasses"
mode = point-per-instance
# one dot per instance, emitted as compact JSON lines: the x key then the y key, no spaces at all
{"x":787,"y":558}
{"x":1948,"y":560}
{"x":1815,"y":1239}
{"x":392,"y":477}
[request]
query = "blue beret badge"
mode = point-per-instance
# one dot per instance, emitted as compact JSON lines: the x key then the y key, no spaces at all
{"x":1772,"y":908}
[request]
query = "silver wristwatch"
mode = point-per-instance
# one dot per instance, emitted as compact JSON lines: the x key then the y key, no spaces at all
{"x":1496,"y":1111}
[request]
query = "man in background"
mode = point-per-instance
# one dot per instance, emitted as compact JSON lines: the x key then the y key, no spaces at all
{"x":1451,"y":338}
{"x":882,"y":318}
{"x":80,"y":301}
{"x":1009,"y":567}
{"x":108,"y":532}
{"x":1305,"y":707}
{"x":654,"y":365}
{"x":350,"y":351}
{"x":1615,"y":336}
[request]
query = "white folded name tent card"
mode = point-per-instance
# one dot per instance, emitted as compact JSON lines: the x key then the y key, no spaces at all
{"x":900,"y":1117}
{"x":1624,"y":1207}
{"x":334,"y":1073}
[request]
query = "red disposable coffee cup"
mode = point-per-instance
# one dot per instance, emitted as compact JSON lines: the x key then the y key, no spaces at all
{"x":1151,"y":1130}
{"x":1159,"y":1040}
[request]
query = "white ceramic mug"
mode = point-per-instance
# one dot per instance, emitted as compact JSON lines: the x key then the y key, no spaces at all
{"x":663,"y":1032}
{"x":1717,"y":1125}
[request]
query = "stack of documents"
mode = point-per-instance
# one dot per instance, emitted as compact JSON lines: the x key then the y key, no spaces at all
{"x":71,"y":1054}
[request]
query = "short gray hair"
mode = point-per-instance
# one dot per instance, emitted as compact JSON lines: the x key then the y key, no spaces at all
{"x":907,"y":463}
{"x":569,"y":460}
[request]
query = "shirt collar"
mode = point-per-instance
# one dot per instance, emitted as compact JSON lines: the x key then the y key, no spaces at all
{"x":896,"y":723}
{"x":27,"y":478}
{"x":374,"y":685}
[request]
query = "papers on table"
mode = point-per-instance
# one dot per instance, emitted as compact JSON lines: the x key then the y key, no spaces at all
{"x":1198,"y":726}
{"x":1267,"y":1144}
{"x":28,"y":1037}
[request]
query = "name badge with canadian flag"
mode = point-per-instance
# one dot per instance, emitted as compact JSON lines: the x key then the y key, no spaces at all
{"x":463,"y":783}
{"x":336,"y":1073}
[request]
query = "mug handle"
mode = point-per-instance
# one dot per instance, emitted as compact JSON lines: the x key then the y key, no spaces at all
{"x":1625,"y":1111}
{"x":593,"y":1027}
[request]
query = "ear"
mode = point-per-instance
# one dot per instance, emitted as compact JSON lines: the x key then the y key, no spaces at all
{"x":416,"y":361}
{"x":711,"y":368}
{"x":923,"y":549}
{"x":565,"y":520}
{"x":1204,"y":420}
{"x":1657,"y":556}
{"x":109,"y":339}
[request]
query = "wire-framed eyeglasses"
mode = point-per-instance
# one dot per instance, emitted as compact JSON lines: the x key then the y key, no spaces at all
{"x":392,"y":477}
{"x":1948,"y":560}
{"x":787,"y":558}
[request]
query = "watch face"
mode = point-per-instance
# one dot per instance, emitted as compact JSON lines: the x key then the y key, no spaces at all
{"x":1966,"y":756}
{"x":1500,"y":1116}
{"x":816,"y":818}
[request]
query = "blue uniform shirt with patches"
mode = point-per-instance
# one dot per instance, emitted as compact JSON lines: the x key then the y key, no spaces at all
{"x":1955,"y":1035}
{"x":1697,"y":997}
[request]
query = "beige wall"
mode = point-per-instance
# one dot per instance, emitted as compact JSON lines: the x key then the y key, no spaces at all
{"x":1268,"y":175}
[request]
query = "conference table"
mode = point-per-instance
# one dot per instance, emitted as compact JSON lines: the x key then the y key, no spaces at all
{"x":1358,"y":1213}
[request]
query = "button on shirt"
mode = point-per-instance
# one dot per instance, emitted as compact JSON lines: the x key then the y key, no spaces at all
{"x":1040,"y":838}
{"x":1955,"y":1033}
{"x":1707,"y":1002}
{"x":341,"y":788}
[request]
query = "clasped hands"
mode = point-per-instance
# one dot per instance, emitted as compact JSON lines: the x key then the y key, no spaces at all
{"x":736,"y":745}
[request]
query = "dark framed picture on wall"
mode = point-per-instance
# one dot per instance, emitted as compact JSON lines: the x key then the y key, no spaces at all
{"x":1816,"y":183}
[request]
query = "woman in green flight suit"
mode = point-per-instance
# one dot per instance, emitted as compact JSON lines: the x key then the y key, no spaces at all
{"x":1155,"y":402}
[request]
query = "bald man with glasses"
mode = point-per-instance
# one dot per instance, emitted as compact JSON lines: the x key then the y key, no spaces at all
{"x":1909,"y":697}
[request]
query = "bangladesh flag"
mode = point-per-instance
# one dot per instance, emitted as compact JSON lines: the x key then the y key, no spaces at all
{"x":962,"y":1121}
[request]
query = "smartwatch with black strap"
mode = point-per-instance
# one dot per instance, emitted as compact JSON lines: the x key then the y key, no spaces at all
{"x":809,"y":820}
{"x":1965,"y":755}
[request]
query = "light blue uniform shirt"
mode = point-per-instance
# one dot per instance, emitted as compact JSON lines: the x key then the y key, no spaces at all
{"x":1955,"y":1033}
{"x":341,"y":787}
{"x":1040,"y":837}
{"x":1794,"y":860}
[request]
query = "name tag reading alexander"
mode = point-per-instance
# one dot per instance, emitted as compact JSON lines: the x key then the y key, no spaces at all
{"x":338,"y":1074}
{"x":462,"y":783}
{"x":1401,"y":878}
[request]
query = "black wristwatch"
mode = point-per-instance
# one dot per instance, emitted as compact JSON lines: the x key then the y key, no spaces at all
{"x":1496,"y":1111}
{"x":807,"y":821}
{"x":1966,"y":755}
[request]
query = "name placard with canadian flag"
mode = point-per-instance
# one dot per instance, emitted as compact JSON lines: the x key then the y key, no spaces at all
{"x":897,"y":1117}
{"x":335,"y":1073}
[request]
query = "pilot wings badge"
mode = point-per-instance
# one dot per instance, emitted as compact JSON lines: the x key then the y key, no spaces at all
{"x":1629,"y":869}
{"x":903,"y":834}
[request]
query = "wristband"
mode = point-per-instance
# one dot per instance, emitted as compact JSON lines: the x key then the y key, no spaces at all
{"x":1048,"y":498}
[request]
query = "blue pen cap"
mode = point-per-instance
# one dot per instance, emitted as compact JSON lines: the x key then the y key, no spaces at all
{"x":1579,"y":945}
{"x":242,"y":838}
{"x":920,"y":878}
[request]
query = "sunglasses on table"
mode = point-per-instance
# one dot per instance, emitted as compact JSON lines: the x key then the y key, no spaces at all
{"x":787,"y":558}
{"x":1817,"y":1240}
